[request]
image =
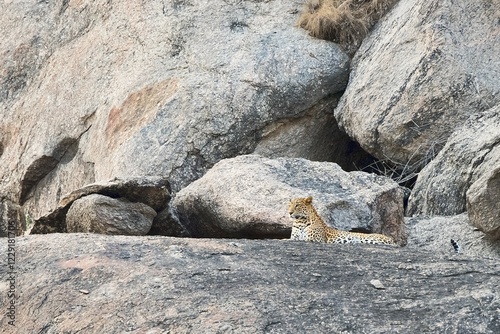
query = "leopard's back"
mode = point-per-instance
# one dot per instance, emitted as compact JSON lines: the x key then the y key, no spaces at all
{"x":345,"y":237}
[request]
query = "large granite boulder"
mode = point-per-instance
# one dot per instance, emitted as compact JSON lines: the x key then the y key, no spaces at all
{"x":425,"y":69}
{"x":105,"y":215}
{"x":471,"y":153}
{"x":70,"y":283}
{"x":483,"y":203}
{"x":434,"y":234}
{"x":120,"y":89}
{"x":148,"y":195}
{"x":248,"y":196}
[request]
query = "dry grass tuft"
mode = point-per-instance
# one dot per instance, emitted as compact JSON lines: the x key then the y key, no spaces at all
{"x":345,"y":22}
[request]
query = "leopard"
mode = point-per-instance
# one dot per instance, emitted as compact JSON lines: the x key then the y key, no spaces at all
{"x":308,"y":226}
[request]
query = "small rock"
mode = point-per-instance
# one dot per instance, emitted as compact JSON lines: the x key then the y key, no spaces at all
{"x":377,"y":284}
{"x":153,"y":191}
{"x":106,"y":215}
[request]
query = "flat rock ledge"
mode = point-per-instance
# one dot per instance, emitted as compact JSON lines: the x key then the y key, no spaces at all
{"x":85,"y":283}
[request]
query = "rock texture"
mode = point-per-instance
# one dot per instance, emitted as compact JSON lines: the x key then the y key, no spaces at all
{"x":153,"y":192}
{"x":249,"y":195}
{"x":425,"y":69}
{"x":318,"y":139}
{"x":105,"y":215}
{"x":483,"y":203}
{"x":113,"y":89}
{"x":471,"y":154}
{"x":117,"y":284}
{"x":12,"y":219}
{"x":433,"y":234}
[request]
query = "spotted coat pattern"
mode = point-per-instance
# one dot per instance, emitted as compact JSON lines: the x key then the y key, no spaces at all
{"x":308,"y":226}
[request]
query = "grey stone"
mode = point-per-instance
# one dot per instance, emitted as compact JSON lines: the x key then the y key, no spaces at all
{"x":249,"y":196}
{"x":166,"y":223}
{"x":471,"y":153}
{"x":12,"y":219}
{"x":105,"y":215}
{"x":377,"y":284}
{"x":164,"y":88}
{"x":151,"y":191}
{"x":117,"y":284}
{"x":297,"y":138}
{"x":434,"y":234}
{"x":425,"y":69}
{"x":483,"y":203}
{"x":314,"y":136}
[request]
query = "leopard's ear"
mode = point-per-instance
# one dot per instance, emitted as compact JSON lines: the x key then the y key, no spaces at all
{"x":309,"y":200}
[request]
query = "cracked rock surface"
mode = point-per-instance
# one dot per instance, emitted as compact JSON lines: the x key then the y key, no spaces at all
{"x":149,"y":195}
{"x":157,"y":88}
{"x":434,"y":234}
{"x":105,"y":215}
{"x":483,"y":199}
{"x":116,"y":284}
{"x":468,"y":159}
{"x":420,"y":74}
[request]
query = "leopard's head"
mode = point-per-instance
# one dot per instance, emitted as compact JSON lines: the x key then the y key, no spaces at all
{"x":300,"y":208}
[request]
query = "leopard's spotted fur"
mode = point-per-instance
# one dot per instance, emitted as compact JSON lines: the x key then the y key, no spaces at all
{"x":308,"y":226}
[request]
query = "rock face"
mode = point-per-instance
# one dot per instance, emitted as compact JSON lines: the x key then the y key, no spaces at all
{"x":425,"y":69}
{"x":106,"y":215}
{"x":483,"y":203}
{"x":248,"y":196}
{"x":318,"y":139}
{"x":117,"y":284}
{"x":12,"y":219}
{"x":471,"y":154}
{"x":434,"y":235}
{"x":152,"y":192}
{"x":149,"y":89}
{"x":439,"y":99}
